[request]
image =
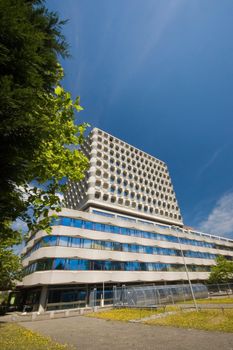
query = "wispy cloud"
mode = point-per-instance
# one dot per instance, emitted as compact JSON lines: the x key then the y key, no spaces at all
{"x":136,"y":49}
{"x":220,"y":220}
{"x":210,"y":161}
{"x":157,"y":26}
{"x":158,"y":20}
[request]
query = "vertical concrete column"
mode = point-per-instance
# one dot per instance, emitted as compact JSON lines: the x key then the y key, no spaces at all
{"x":43,"y":298}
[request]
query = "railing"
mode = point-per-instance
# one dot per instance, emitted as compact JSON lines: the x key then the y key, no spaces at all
{"x":66,"y":305}
{"x":152,"y":296}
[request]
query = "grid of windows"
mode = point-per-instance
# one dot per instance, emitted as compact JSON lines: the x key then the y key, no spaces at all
{"x":176,"y":228}
{"x":122,"y":175}
{"x":106,"y":265}
{"x":88,"y":225}
{"x":66,"y":241}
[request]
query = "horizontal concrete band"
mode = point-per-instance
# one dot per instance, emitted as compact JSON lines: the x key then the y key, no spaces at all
{"x":139,"y":226}
{"x":96,"y":254}
{"x":113,"y":221}
{"x":72,"y":277}
{"x":99,"y":235}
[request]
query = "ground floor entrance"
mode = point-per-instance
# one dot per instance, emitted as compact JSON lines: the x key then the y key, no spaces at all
{"x":61,"y":297}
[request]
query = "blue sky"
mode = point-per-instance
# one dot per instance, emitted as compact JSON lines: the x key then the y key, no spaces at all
{"x":159,"y":75}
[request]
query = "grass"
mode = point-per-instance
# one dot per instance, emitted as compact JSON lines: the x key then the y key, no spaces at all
{"x":127,"y":314}
{"x":226,"y":300}
{"x":123,"y":314}
{"x":210,"y":320}
{"x":15,"y":337}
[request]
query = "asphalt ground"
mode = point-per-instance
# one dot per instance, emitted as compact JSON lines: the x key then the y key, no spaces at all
{"x":87,"y":333}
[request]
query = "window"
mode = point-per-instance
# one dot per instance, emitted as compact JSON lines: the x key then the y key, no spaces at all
{"x":59,"y":264}
{"x":49,"y":241}
{"x":63,"y":241}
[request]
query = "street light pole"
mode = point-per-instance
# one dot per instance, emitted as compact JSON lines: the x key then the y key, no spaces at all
{"x":103,"y":293}
{"x":187,"y":273}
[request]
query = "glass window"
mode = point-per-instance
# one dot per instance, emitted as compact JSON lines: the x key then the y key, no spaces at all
{"x":115,"y":229}
{"x":117,"y":246}
{"x":149,"y":250}
{"x":97,"y":226}
{"x":107,"y":265}
{"x":83,"y":265}
{"x":107,"y":245}
{"x":59,"y":264}
{"x":123,"y":231}
{"x":54,"y":296}
{"x":126,"y":247}
{"x":87,"y":243}
{"x":97,"y":265}
{"x":55,"y":221}
{"x":79,"y":264}
{"x":76,"y":242}
{"x":72,"y":264}
{"x":97,"y":245}
{"x":141,"y":249}
{"x":78,"y":223}
{"x":134,"y":248}
{"x":49,"y":241}
{"x":66,"y":221}
{"x":88,"y":225}
{"x":63,"y":241}
{"x":150,"y":267}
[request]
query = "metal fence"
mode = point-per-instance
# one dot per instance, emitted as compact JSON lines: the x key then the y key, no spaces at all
{"x":155,"y":295}
{"x":220,"y":289}
{"x":152,"y":296}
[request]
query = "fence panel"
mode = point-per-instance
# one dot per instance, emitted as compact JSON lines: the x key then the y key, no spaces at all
{"x":152,"y":296}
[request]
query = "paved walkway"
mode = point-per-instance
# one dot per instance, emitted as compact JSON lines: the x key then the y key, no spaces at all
{"x":95,"y":334}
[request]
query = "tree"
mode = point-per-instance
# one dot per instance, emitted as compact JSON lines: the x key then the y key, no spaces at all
{"x":10,"y":264}
{"x":36,"y":123}
{"x":222,"y":272}
{"x":37,"y":120}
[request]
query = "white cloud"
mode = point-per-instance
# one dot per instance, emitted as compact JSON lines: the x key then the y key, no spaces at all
{"x":210,"y":161}
{"x":157,"y":26}
{"x":220,"y":220}
{"x":161,"y":16}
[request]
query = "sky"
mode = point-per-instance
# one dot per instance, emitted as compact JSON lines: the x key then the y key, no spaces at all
{"x":158,"y":74}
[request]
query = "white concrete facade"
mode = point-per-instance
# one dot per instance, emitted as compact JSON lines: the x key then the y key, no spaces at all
{"x":218,"y":246}
{"x":122,"y":225}
{"x":126,"y":179}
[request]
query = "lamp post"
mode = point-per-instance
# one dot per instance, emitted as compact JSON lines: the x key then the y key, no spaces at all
{"x":103,"y":295}
{"x":187,"y":273}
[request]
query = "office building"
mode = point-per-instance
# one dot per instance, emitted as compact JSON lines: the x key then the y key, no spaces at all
{"x":121,"y":225}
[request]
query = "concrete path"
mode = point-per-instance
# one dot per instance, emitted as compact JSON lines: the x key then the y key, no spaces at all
{"x":95,"y":334}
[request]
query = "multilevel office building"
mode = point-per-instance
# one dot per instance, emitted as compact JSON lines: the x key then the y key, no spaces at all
{"x":121,"y":225}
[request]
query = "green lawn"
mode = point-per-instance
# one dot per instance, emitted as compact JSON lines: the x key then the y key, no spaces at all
{"x":128,"y":314}
{"x":210,"y":320}
{"x":15,"y":337}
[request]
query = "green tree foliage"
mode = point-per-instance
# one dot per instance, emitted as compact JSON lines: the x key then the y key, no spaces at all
{"x":10,"y":265}
{"x":37,"y":120}
{"x":222,"y":272}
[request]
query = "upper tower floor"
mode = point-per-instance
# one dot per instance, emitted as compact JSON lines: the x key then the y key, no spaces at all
{"x":124,"y":179}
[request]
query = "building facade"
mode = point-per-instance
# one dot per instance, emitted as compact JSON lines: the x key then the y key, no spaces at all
{"x":122,"y":225}
{"x":125,"y":179}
